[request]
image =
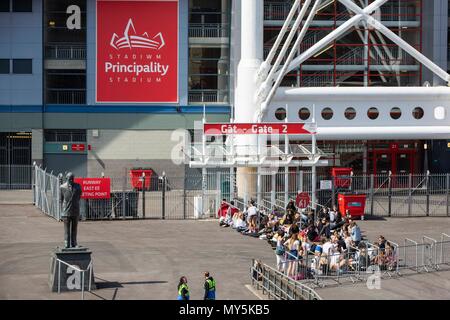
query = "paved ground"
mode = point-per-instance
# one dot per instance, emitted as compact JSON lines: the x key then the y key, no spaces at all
{"x":144,"y":259}
{"x":132,"y":259}
{"x":16,"y":197}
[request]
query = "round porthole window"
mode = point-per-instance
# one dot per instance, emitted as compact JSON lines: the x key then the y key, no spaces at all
{"x":418,"y":113}
{"x":373,"y":113}
{"x":327,"y":113}
{"x":280,"y":113}
{"x":304,"y":114}
{"x":350,"y":113}
{"x":396,"y":113}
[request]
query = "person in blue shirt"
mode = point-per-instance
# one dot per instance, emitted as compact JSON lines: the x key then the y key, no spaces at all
{"x":355,"y":233}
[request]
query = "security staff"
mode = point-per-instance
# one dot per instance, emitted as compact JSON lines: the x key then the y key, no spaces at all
{"x":210,"y":287}
{"x":183,"y":289}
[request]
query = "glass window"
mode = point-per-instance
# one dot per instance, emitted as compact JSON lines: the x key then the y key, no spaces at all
{"x":4,"y":66}
{"x":327,"y":113}
{"x":22,"y":66}
{"x":350,"y":113}
{"x":396,"y":113}
{"x":4,"y":6}
{"x":418,"y":113}
{"x":22,"y":5}
{"x":304,"y":113}
{"x":280,"y":113}
{"x":373,"y":113}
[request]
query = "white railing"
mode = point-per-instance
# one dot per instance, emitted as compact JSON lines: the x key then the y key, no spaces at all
{"x":76,"y":269}
{"x":65,"y":52}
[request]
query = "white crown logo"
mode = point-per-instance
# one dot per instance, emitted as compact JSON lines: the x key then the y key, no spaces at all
{"x":134,"y":41}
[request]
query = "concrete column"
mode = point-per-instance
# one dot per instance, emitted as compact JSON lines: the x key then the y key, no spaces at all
{"x":37,"y":146}
{"x":245,"y":105}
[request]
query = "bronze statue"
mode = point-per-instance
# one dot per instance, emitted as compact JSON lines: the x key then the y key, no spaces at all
{"x":70,"y":199}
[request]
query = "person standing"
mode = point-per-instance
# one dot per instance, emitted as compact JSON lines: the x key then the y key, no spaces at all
{"x":210,"y":287}
{"x":183,"y":289}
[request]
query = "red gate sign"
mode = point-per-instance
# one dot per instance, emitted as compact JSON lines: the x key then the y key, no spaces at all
{"x":137,"y":51}
{"x":302,"y":200}
{"x":256,"y":128}
{"x":95,"y":188}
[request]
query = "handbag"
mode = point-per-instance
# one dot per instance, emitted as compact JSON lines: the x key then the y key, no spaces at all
{"x":279,"y":251}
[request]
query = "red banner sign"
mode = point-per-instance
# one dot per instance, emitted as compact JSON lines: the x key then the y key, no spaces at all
{"x":137,"y":51}
{"x":255,"y":128}
{"x":95,"y":188}
{"x":78,"y":147}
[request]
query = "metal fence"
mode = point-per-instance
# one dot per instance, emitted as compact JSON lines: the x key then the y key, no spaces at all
{"x":196,"y":196}
{"x":277,"y":285}
{"x":46,"y":192}
{"x":388,"y":195}
{"x":368,"y":260}
{"x":16,"y":177}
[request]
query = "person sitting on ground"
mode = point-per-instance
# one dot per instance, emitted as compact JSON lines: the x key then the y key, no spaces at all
{"x":222,"y":210}
{"x":232,"y":210}
{"x":338,"y":221}
{"x":390,"y":257}
{"x":312,"y":233}
{"x":324,"y":213}
{"x":240,"y":224}
{"x":291,"y":206}
{"x":381,"y":243}
{"x":288,"y":218}
{"x":325,"y":228}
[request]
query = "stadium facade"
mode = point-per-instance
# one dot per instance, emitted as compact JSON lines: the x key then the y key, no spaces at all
{"x":98,"y":86}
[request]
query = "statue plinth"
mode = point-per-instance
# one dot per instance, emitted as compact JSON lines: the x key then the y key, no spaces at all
{"x":62,"y":261}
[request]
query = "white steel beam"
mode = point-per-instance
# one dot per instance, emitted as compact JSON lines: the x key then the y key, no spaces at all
{"x":267,"y":84}
{"x":279,"y":76}
{"x":409,"y":49}
{"x":322,"y":43}
{"x":265,"y":66}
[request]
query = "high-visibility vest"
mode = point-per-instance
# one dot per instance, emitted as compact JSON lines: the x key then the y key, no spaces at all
{"x":211,"y":284}
{"x":180,"y":289}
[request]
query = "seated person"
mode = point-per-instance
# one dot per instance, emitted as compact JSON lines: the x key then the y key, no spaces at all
{"x":240,"y":224}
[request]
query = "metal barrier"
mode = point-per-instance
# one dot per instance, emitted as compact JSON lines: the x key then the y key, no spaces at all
{"x":81,"y":271}
{"x":47,"y":193}
{"x":357,"y":264}
{"x":16,"y":177}
{"x":195,"y":196}
{"x":277,"y":285}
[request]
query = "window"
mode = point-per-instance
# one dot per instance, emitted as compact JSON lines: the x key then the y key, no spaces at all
{"x":418,"y":113}
{"x":396,"y":113}
{"x":4,"y":6}
{"x":4,"y":66}
{"x":350,"y":113}
{"x":22,"y":66}
{"x":304,"y":113}
{"x":280,"y":113}
{"x":22,"y":6}
{"x":327,"y":113}
{"x":373,"y":113}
